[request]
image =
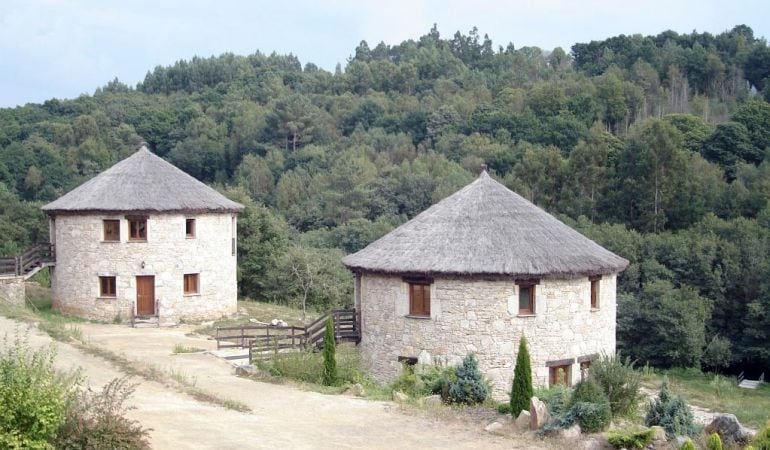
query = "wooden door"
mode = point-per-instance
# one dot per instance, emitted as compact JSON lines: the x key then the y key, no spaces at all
{"x":145,"y":295}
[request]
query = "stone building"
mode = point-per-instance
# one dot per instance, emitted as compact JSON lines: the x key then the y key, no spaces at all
{"x":145,"y":239}
{"x":475,"y":272}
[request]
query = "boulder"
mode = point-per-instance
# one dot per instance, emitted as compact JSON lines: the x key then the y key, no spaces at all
{"x":538,"y":412}
{"x":571,"y":433}
{"x":729,"y":429}
{"x":356,"y":390}
{"x":522,"y":422}
{"x":658,"y":433}
{"x":494,"y":427}
{"x":592,"y":443}
{"x":400,"y":397}
{"x":432,"y":400}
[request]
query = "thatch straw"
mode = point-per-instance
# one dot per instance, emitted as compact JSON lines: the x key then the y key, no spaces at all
{"x":142,"y":182}
{"x":486,"y":229}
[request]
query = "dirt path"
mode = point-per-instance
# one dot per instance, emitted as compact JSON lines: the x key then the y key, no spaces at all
{"x":281,"y":416}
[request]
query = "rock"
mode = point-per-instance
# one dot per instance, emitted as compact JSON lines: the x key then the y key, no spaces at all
{"x":494,"y":427}
{"x":432,"y":400}
{"x":539,"y":414}
{"x":357,"y":390}
{"x":680,"y":440}
{"x":522,"y":422}
{"x":400,"y":397}
{"x":572,"y":432}
{"x":591,"y":443}
{"x":729,"y":429}
{"x":658,"y":433}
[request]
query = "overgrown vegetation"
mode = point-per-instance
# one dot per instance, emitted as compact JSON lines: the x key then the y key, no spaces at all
{"x":762,"y":439}
{"x":521,"y":387}
{"x":620,"y":381}
{"x":308,"y":366}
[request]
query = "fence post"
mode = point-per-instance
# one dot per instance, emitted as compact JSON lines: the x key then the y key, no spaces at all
{"x":18,"y":265}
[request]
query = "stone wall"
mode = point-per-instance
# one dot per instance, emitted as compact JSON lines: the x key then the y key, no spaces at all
{"x":82,"y":256}
{"x":12,"y":290}
{"x":481,"y":316}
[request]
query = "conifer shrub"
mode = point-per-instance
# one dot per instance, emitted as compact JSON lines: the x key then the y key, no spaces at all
{"x":688,"y":445}
{"x":438,"y":378}
{"x":620,"y":381}
{"x":762,"y":439}
{"x":714,"y":442}
{"x":672,"y":413}
{"x":521,"y":389}
{"x":630,"y":438}
{"x":329,"y":352}
{"x":557,"y":398}
{"x":590,"y":407}
{"x":470,"y":387}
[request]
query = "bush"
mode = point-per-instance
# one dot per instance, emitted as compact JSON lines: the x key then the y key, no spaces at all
{"x":620,"y":381}
{"x":592,"y":417}
{"x":470,"y":387}
{"x":672,"y":413}
{"x":521,"y":389}
{"x":762,"y":439}
{"x":588,"y":391}
{"x":557,"y":398}
{"x":714,"y":442}
{"x":98,"y":421}
{"x":504,"y":408}
{"x":633,"y":438}
{"x":33,"y":396}
{"x":437,"y":378}
{"x":308,"y":366}
{"x":688,"y":445}
{"x":330,"y":377}
{"x":408,"y":382}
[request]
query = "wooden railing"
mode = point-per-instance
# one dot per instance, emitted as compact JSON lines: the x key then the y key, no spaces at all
{"x":36,"y":256}
{"x":262,"y":340}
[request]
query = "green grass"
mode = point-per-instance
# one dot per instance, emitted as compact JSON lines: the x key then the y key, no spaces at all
{"x":181,"y":348}
{"x":263,"y":312}
{"x":307,"y":366}
{"x":717,"y":393}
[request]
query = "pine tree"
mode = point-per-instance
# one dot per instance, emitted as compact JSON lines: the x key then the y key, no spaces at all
{"x":521,"y":391}
{"x":330,"y":348}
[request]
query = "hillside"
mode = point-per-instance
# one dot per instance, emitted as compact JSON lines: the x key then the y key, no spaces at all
{"x":654,"y":146}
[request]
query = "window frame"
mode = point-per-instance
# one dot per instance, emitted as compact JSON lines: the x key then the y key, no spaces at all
{"x":425,"y":285}
{"x":585,"y":369}
{"x":531,"y":285}
{"x":112,"y":223}
{"x":553,"y":375}
{"x":193,"y":276}
{"x":137,"y":219}
{"x":190,"y":225}
{"x":595,"y":292}
{"x":105,"y":283}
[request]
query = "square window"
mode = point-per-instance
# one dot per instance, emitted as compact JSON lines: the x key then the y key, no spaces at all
{"x":526,"y":298}
{"x":594,"y":293}
{"x":419,"y":299}
{"x":137,"y":228}
{"x":111,"y":230}
{"x":107,"y":287}
{"x":189,"y":228}
{"x":191,"y":283}
{"x":560,"y":375}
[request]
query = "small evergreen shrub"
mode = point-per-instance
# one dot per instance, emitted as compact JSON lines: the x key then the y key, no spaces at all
{"x":672,"y":413}
{"x":620,"y":381}
{"x":762,"y":439}
{"x":408,"y":382}
{"x":98,"y":421}
{"x":504,"y":408}
{"x":33,"y":396}
{"x":588,"y":391}
{"x":714,"y":442}
{"x":437,"y":378}
{"x":631,"y":438}
{"x":330,"y":349}
{"x":688,"y":445}
{"x":521,"y":389}
{"x":470,"y":387}
{"x":557,"y":398}
{"x":590,"y":407}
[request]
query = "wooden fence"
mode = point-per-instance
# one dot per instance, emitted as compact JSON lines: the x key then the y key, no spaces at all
{"x":36,"y":256}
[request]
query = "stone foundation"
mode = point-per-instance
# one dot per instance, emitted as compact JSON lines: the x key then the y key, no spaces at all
{"x":12,"y":290}
{"x":481,"y":316}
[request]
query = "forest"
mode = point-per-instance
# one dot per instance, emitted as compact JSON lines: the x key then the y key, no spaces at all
{"x":657,"y":147}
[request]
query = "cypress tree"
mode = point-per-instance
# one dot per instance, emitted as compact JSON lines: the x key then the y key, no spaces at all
{"x":330,"y":348}
{"x":521,"y":391}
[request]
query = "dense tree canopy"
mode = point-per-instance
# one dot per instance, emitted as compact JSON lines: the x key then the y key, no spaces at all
{"x":654,"y":146}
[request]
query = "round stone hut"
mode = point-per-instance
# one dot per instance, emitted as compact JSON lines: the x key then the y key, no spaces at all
{"x":474,"y":273}
{"x":144,"y":239}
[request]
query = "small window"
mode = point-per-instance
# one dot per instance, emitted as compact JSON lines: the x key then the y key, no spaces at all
{"x":137,"y":228}
{"x":560,"y":375}
{"x":111,"y":230}
{"x":189,"y":228}
{"x":594,"y":292}
{"x":419,"y":298}
{"x":526,"y":298}
{"x":585,"y":367}
{"x":107,"y":287}
{"x":190,"y":283}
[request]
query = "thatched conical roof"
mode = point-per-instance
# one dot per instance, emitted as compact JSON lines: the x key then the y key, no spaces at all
{"x":486,"y":229}
{"x":142,"y":182}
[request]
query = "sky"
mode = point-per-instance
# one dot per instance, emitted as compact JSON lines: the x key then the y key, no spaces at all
{"x":64,"y":48}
